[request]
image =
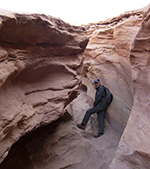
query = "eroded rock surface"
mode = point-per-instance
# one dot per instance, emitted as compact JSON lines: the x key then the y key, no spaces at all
{"x":107,"y":57}
{"x":41,"y":60}
{"x":45,"y":85}
{"x":133,"y":151}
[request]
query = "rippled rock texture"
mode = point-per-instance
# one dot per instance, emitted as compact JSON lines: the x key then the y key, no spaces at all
{"x":133,"y":151}
{"x":41,"y":83}
{"x":107,"y":57}
{"x":41,"y":61}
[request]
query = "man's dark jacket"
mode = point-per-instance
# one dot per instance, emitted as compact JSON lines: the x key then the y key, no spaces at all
{"x":100,"y":97}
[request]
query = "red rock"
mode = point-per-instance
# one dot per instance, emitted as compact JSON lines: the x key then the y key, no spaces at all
{"x":40,"y":90}
{"x":40,"y":72}
{"x":133,"y":150}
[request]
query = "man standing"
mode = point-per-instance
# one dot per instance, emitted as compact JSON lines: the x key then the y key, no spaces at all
{"x":99,"y":106}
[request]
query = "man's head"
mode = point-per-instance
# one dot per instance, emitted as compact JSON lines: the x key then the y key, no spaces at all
{"x":97,"y":83}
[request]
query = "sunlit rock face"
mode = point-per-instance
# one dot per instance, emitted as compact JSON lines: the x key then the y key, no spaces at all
{"x":41,"y":60}
{"x":133,"y":151}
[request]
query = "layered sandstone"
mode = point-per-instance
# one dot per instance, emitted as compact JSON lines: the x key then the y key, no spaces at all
{"x":107,"y":57}
{"x":45,"y":78}
{"x":41,"y":60}
{"x":62,"y":144}
{"x":133,"y":151}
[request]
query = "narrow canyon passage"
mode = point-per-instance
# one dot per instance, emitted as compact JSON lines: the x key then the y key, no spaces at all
{"x":42,"y":76}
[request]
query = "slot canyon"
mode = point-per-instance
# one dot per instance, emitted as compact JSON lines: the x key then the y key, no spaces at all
{"x":47,"y":69}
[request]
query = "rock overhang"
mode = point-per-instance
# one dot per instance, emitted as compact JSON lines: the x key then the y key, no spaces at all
{"x":41,"y":70}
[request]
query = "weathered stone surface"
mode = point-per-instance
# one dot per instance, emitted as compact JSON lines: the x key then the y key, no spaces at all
{"x":107,"y":58}
{"x":61,"y":144}
{"x":67,"y":146}
{"x":133,"y":151}
{"x":40,"y":72}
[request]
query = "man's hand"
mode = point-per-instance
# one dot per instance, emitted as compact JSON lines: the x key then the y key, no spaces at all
{"x":91,"y":108}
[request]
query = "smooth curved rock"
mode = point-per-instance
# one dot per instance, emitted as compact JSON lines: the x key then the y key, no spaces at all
{"x":61,"y":144}
{"x":107,"y":58}
{"x":133,"y":150}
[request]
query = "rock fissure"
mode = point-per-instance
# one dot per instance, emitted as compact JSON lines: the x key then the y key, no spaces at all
{"x":36,"y":91}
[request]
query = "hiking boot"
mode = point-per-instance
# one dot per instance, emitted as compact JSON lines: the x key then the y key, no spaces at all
{"x":81,"y":126}
{"x":98,"y":135}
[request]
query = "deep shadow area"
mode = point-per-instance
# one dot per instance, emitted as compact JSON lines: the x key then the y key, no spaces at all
{"x":29,"y":149}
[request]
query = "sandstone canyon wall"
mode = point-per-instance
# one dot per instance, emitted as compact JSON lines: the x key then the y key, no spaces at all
{"x":42,"y":71}
{"x":107,"y":56}
{"x":133,"y":150}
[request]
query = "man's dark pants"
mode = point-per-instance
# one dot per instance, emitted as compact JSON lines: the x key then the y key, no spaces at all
{"x":100,"y":110}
